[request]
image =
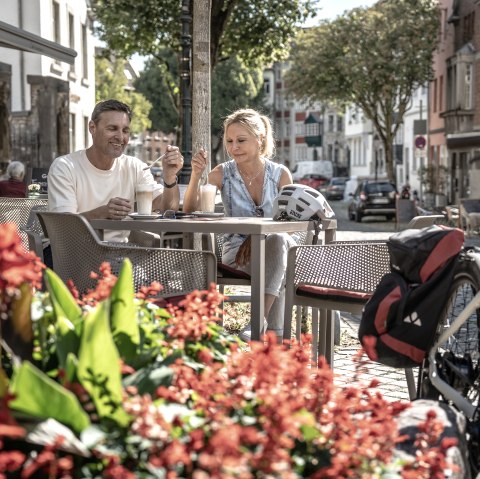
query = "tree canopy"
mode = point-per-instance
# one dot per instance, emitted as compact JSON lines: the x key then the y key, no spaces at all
{"x":111,"y":82}
{"x":234,"y":85}
{"x":372,"y":57}
{"x":255,"y":30}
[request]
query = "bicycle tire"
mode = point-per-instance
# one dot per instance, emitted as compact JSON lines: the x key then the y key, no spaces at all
{"x":458,"y":358}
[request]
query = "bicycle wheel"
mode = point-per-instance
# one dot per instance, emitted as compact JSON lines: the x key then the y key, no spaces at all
{"x":457,"y":358}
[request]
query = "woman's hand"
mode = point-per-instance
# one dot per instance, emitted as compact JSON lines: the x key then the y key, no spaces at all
{"x":199,"y":162}
{"x":244,"y":253}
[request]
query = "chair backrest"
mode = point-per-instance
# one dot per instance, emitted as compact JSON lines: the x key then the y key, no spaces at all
{"x":77,"y":251}
{"x":349,"y":266}
{"x":423,"y":221}
{"x":17,"y":210}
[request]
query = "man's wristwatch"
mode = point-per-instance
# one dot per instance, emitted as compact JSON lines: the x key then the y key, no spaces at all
{"x":171,"y":185}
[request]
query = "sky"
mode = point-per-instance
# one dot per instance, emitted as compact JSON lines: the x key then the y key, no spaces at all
{"x":329,"y":9}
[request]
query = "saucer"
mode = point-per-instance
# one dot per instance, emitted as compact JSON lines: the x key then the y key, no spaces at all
{"x":137,"y":216}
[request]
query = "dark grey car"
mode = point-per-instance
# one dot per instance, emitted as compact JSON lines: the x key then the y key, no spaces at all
{"x":372,"y":198}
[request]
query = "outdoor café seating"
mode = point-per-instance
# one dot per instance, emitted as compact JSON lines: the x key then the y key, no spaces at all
{"x":77,"y":251}
{"x":337,"y":276}
{"x":18,"y":211}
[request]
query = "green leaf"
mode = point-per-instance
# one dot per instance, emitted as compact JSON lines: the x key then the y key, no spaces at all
{"x":38,"y":395}
{"x":148,"y":379}
{"x":123,"y":314}
{"x":61,"y":297}
{"x":99,"y":366}
{"x":68,"y":341}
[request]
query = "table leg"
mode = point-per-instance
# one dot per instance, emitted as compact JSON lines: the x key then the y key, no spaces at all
{"x":330,"y":235}
{"x":258,"y":284}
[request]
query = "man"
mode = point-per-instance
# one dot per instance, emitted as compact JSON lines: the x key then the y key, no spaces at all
{"x":100,"y":182}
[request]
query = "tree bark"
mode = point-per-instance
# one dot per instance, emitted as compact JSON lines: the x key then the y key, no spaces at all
{"x":201,"y":68}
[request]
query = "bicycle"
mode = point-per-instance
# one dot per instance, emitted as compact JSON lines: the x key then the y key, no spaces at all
{"x":451,"y":372}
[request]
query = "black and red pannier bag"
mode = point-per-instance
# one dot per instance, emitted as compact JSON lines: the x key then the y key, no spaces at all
{"x":399,"y":321}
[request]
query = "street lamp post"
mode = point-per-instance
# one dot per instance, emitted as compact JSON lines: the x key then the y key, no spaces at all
{"x":185,"y":60}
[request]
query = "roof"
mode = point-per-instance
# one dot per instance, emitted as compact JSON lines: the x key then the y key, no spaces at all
{"x":19,"y":39}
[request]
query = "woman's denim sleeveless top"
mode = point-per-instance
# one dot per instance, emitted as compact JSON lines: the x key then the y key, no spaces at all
{"x":237,"y":200}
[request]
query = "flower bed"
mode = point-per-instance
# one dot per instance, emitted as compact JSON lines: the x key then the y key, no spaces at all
{"x":112,"y":385}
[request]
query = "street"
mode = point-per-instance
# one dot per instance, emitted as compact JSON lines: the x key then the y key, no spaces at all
{"x":375,"y":227}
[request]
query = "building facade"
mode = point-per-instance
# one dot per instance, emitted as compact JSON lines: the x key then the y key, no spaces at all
{"x":49,"y":100}
{"x":304,"y":132}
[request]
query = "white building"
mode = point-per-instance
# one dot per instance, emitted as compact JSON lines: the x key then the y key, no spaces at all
{"x":366,"y":155}
{"x":47,"y":92}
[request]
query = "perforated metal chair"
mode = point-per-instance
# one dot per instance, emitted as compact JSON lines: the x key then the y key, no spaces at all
{"x":336,"y":276}
{"x":77,"y":251}
{"x":17,"y":210}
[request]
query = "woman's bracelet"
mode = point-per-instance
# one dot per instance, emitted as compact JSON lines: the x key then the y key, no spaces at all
{"x":171,"y":185}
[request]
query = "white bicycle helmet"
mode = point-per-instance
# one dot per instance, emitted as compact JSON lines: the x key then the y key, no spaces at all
{"x":301,"y":202}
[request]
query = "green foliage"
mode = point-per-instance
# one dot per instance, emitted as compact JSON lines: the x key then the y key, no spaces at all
{"x":111,"y":82}
{"x":234,"y":85}
{"x":37,"y":395}
{"x":255,"y":30}
{"x":159,"y":84}
{"x":374,"y":58}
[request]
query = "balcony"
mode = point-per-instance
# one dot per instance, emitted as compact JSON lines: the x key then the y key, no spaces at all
{"x":458,"y":121}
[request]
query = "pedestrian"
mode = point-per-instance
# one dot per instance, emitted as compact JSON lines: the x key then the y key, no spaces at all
{"x":100,"y":182}
{"x":405,"y":193}
{"x":248,"y":184}
{"x":14,"y":186}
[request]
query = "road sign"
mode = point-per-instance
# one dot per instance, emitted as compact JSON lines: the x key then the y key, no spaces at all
{"x":420,"y":142}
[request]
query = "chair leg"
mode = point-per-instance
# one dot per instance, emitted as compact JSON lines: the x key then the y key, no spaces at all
{"x":329,"y":336}
{"x":412,"y":390}
{"x":316,"y":336}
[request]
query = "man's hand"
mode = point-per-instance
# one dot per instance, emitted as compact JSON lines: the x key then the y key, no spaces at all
{"x":172,"y":163}
{"x":117,"y":208}
{"x":244,"y":253}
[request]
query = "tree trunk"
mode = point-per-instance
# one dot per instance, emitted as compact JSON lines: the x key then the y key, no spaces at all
{"x":201,"y":104}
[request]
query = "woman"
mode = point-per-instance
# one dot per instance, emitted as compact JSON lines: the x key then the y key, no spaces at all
{"x":248,"y":183}
{"x":14,"y":187}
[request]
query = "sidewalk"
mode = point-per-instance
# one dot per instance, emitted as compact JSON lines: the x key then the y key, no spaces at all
{"x":393,"y":384}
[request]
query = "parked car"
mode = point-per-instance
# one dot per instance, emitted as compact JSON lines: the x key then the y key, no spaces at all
{"x":313,"y":180}
{"x":335,"y":188}
{"x":373,"y":198}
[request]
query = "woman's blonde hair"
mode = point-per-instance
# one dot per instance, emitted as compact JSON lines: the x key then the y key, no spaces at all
{"x":257,"y":124}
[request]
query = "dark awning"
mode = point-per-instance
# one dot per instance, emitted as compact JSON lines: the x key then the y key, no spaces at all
{"x":14,"y":37}
{"x":463,"y":140}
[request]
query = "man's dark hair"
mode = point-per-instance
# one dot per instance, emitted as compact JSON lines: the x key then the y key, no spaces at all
{"x":110,"y":105}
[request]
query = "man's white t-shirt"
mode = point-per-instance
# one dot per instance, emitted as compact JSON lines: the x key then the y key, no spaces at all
{"x":76,"y":186}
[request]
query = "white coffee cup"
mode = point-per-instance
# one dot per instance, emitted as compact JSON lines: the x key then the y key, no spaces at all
{"x":144,"y":198}
{"x":207,"y":198}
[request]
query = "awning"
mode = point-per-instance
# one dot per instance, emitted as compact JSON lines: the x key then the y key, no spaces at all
{"x":14,"y":37}
{"x":463,"y":140}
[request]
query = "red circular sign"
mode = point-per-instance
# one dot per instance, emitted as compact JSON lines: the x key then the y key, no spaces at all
{"x":420,"y":142}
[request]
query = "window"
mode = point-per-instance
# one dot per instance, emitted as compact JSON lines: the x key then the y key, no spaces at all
{"x":330,"y":123}
{"x":468,"y":87}
{"x":266,"y":86}
{"x":71,"y":36}
{"x":312,"y":129}
{"x":84,"y":53}
{"x":56,"y":22}
{"x":86,"y":133}
{"x":451,"y":86}
{"x":299,"y":128}
{"x":434,"y":95}
{"x":73,"y":145}
{"x":339,"y":123}
{"x":440,"y":94}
